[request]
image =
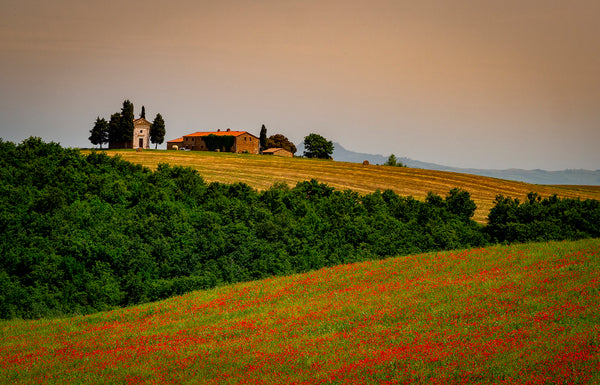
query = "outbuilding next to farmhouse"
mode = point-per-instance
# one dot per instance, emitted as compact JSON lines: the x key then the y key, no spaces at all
{"x":278,"y":152}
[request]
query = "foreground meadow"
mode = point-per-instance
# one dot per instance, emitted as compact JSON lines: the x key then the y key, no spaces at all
{"x":524,"y":314}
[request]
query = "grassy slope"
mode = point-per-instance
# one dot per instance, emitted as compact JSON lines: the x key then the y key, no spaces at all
{"x":261,"y":172}
{"x":505,"y":314}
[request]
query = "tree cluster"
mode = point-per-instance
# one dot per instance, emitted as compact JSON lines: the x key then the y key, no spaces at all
{"x":120,"y":126}
{"x":79,"y":234}
{"x":119,"y":129}
{"x":275,"y":141}
{"x":393,"y":161}
{"x":538,"y":219}
{"x":280,"y":141}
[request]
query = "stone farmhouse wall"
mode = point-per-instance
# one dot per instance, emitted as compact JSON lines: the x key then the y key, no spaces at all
{"x":244,"y":142}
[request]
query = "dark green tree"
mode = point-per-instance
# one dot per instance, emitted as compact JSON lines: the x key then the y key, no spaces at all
{"x":99,"y":133}
{"x":143,"y":114}
{"x":393,"y":161}
{"x":459,"y":202}
{"x":157,"y":130}
{"x":263,"y":137}
{"x":316,"y":146}
{"x":114,"y":125}
{"x":126,"y":123}
{"x":280,"y":141}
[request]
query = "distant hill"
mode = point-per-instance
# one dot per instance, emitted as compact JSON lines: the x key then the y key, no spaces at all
{"x":564,"y":177}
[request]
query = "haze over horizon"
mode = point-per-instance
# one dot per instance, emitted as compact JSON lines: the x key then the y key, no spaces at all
{"x":474,"y":84}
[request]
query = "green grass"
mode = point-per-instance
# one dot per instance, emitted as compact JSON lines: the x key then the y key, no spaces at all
{"x":504,"y":314}
{"x":261,"y":172}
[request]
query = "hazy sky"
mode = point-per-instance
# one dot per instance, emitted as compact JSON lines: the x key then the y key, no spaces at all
{"x":485,"y":84}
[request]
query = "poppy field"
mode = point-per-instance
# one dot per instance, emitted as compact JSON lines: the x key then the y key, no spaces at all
{"x":520,"y":314}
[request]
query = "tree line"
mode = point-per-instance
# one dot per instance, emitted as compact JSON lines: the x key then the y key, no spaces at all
{"x":315,"y":145}
{"x":119,"y":129}
{"x":80,"y":234}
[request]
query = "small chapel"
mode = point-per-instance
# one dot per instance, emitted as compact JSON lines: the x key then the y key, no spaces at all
{"x":141,"y":133}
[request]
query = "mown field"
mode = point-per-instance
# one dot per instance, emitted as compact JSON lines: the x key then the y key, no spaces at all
{"x":261,"y":172}
{"x":521,"y":314}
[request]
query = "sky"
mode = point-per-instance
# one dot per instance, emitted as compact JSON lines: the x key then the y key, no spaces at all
{"x":466,"y":83}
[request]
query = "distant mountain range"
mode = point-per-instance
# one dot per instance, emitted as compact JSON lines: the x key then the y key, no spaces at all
{"x":567,"y":177}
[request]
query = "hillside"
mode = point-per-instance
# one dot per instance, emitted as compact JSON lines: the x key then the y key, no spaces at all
{"x":86,"y":233}
{"x":562,"y":177}
{"x":261,"y":172}
{"x":504,"y":314}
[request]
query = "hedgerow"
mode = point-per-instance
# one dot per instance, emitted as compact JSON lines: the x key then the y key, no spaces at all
{"x":80,"y":234}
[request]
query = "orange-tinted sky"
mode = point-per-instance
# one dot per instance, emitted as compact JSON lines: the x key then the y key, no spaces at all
{"x":485,"y":84}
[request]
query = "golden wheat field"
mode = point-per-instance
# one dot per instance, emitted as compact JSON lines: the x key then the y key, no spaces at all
{"x":261,"y":172}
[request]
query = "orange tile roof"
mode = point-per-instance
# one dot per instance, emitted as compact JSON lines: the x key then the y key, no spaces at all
{"x":219,"y":133}
{"x":275,"y":149}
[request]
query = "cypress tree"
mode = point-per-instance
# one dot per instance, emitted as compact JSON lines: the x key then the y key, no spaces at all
{"x":114,"y":125}
{"x":263,"y":137}
{"x":157,"y":130}
{"x":126,"y":123}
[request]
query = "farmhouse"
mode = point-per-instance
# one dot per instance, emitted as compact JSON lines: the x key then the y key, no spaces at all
{"x":175,"y":144}
{"x":226,"y":141}
{"x":141,"y":136}
{"x":278,"y":152}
